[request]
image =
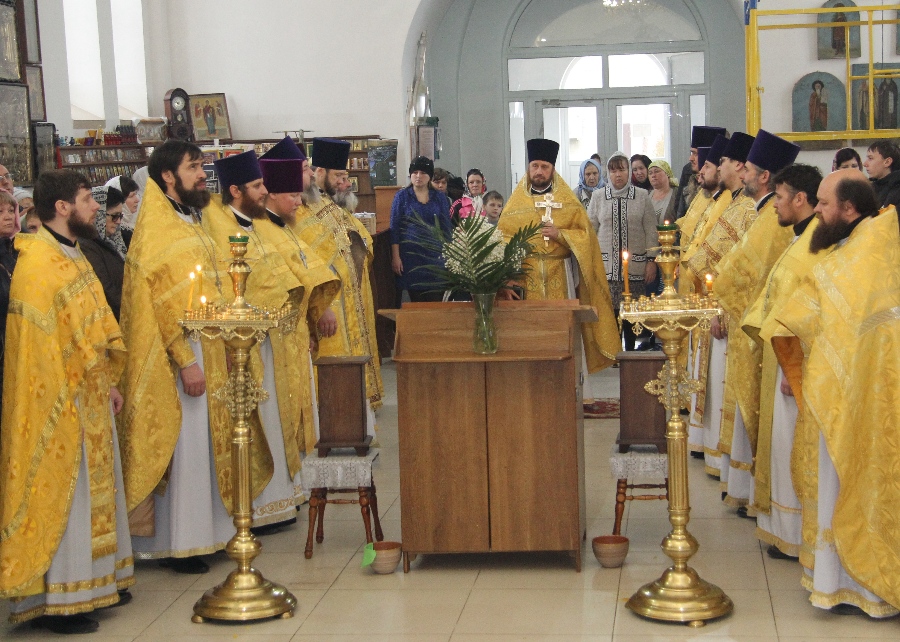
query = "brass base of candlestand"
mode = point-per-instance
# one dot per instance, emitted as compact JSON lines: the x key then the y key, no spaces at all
{"x":680,"y":596}
{"x":243,"y":597}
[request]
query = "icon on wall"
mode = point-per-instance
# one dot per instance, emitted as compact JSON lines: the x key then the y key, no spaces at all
{"x":819,"y":103}
{"x":209,"y":114}
{"x":834,"y":41}
{"x":883,"y":101}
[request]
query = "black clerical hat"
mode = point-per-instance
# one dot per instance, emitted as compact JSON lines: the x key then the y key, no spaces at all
{"x":330,"y":153}
{"x":543,"y":149}
{"x":285,"y":148}
{"x":715,"y":150}
{"x":703,"y":136}
{"x":738,"y":147}
{"x":282,"y":175}
{"x":239,"y":169}
{"x":702,"y":155}
{"x":772,"y":152}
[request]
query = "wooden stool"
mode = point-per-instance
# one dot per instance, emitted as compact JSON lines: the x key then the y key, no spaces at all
{"x":340,"y":474}
{"x":640,"y":461}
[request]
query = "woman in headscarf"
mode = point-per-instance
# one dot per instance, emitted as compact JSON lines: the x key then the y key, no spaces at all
{"x":662,"y":197}
{"x":639,"y":166}
{"x":590,"y":178}
{"x":106,"y":252}
{"x":9,"y":226}
{"x":132,"y":193}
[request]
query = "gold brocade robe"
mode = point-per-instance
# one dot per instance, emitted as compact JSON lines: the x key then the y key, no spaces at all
{"x":847,"y":317}
{"x":705,"y":224}
{"x":688,"y":223}
{"x":760,"y":323}
{"x":546,"y":268}
{"x":63,"y":352}
{"x":155,"y":295}
{"x":319,"y":288}
{"x":344,"y":244}
{"x":742,"y":276}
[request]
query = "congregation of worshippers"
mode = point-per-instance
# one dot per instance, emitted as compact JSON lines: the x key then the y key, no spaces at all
{"x":103,"y":459}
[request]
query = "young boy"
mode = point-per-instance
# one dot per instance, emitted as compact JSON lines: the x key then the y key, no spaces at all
{"x":493,"y":205}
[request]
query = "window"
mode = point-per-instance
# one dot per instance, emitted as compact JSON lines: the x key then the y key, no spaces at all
{"x":83,"y":58}
{"x":583,"y":72}
{"x":651,"y":70}
{"x":131,"y":72}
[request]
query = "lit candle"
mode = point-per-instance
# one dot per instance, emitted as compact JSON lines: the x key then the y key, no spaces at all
{"x":191,"y":295}
{"x":625,"y":272}
{"x":202,"y":303}
{"x":666,"y":222}
{"x":709,"y":284}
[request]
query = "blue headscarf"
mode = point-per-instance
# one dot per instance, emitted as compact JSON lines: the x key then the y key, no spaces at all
{"x":581,"y":185}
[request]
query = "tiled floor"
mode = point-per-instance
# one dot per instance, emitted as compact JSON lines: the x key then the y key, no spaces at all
{"x":494,"y":598}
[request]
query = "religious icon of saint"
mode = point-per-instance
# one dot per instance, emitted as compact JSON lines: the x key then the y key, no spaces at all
{"x":818,"y":107}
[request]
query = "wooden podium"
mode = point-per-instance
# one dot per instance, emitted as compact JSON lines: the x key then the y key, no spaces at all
{"x":491,"y":446}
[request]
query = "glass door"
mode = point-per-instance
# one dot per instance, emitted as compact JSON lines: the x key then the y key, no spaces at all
{"x":576,"y":129}
{"x":641,"y":127}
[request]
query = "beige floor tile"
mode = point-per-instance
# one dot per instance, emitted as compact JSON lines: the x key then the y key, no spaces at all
{"x":538,"y":612}
{"x":752,"y":616}
{"x":392,"y":637}
{"x":783,"y":575}
{"x":427,"y":572}
{"x":386,"y":612}
{"x":698,"y":636}
{"x":176,"y":620}
{"x":150,"y":576}
{"x":795,"y":616}
{"x":289,"y":569}
{"x":216,"y":633}
{"x":713,"y":534}
{"x":478,"y":637}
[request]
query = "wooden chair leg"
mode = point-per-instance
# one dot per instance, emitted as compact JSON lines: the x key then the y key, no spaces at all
{"x":364,"y":509}
{"x":405,"y":562}
{"x":379,"y":535}
{"x":323,"y":500}
{"x":313,"y":514}
{"x":621,"y":487}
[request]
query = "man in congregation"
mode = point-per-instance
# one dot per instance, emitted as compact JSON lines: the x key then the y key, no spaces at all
{"x":883,"y":166}
{"x":176,"y":445}
{"x":778,"y":509}
{"x":65,"y":549}
{"x":742,"y":275}
{"x":342,"y":241}
{"x":569,"y":257}
{"x":845,"y":319}
{"x":690,"y":185}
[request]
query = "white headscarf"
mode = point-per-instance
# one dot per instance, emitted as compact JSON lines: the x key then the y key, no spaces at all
{"x":140,"y":177}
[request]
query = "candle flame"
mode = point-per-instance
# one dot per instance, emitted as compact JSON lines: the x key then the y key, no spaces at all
{"x":192,"y":276}
{"x":202,"y":300}
{"x":709,"y":278}
{"x":665,"y":222}
{"x":625,"y":255}
{"x":199,"y":268}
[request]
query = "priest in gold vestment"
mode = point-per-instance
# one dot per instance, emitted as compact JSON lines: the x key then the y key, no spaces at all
{"x":846,"y":319}
{"x":344,"y":244}
{"x":568,"y":264}
{"x":775,"y":500}
{"x":176,"y":445}
{"x":65,"y":549}
{"x":742,"y":275}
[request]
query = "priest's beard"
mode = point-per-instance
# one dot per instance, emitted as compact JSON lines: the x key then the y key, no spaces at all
{"x":198,"y":198}
{"x":346,"y":199}
{"x":253,"y":209}
{"x":827,"y":234}
{"x":311,"y":194}
{"x":541,"y":183}
{"x":82,"y":229}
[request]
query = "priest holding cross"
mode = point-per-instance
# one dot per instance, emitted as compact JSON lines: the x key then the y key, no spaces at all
{"x":568,"y":264}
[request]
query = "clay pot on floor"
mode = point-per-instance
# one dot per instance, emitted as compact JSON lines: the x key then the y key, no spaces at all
{"x":610,"y":550}
{"x":387,"y":556}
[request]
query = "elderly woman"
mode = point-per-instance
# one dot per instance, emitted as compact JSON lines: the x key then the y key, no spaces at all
{"x":417,"y":201}
{"x":663,"y":196}
{"x":106,"y":252}
{"x":590,"y":178}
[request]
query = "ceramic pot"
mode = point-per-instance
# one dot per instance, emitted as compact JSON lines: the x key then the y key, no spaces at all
{"x":610,"y":550}
{"x":387,"y":556}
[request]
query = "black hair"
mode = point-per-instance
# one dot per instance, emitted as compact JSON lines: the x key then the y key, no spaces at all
{"x":56,"y":185}
{"x":472,"y":172}
{"x":456,"y":187}
{"x":800,"y":178}
{"x":860,"y":194}
{"x":844,"y":155}
{"x":168,"y":157}
{"x":127,"y":185}
{"x":114,"y":197}
{"x":888,"y":149}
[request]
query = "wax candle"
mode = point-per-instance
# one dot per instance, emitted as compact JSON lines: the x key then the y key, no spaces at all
{"x":191,"y":295}
{"x":199,"y":269}
{"x":709,"y":283}
{"x":202,"y":303}
{"x":625,"y":272}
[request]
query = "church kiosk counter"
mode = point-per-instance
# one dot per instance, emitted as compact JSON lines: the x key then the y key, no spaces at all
{"x":491,"y":446}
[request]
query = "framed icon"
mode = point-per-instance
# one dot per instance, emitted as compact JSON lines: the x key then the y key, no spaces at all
{"x":209,"y":114}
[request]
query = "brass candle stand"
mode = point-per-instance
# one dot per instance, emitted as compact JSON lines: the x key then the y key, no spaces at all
{"x":245,"y":594}
{"x":679,"y":595}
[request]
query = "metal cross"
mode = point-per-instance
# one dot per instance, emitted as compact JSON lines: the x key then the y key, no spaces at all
{"x":547,"y":217}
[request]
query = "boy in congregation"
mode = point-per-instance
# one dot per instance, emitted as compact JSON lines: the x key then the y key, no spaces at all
{"x":493,"y":205}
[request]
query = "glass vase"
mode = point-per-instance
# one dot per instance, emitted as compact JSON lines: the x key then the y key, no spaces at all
{"x":484,"y":338}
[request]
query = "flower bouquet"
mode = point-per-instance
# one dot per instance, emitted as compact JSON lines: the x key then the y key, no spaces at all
{"x":476,"y":260}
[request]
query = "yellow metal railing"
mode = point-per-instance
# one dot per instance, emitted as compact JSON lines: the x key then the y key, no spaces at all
{"x":755,"y":89}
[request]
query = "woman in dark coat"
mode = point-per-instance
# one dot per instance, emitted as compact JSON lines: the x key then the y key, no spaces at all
{"x":106,"y":252}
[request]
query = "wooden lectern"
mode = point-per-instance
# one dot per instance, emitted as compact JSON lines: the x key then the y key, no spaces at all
{"x":491,"y":446}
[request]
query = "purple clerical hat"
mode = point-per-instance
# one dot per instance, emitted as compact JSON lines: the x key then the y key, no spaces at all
{"x":738,"y":147}
{"x":330,"y":153}
{"x":282,"y":175}
{"x":703,"y":136}
{"x":543,"y":149}
{"x":702,"y":155}
{"x":239,"y":169}
{"x":285,"y":148}
{"x":772,"y":152}
{"x":715,"y":150}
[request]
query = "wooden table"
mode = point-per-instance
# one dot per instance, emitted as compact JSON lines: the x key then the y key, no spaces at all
{"x":491,"y":446}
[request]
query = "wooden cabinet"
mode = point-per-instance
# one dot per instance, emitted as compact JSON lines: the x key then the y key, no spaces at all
{"x":642,"y":418}
{"x":491,"y":446}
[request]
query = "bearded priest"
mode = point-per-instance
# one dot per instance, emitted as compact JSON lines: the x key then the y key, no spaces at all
{"x":567,"y":263}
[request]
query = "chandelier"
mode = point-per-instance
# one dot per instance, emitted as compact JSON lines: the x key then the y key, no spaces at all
{"x":613,"y":4}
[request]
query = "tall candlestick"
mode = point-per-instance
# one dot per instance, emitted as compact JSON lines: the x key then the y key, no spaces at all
{"x":199,"y":269}
{"x":191,"y":295}
{"x":625,"y":272}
